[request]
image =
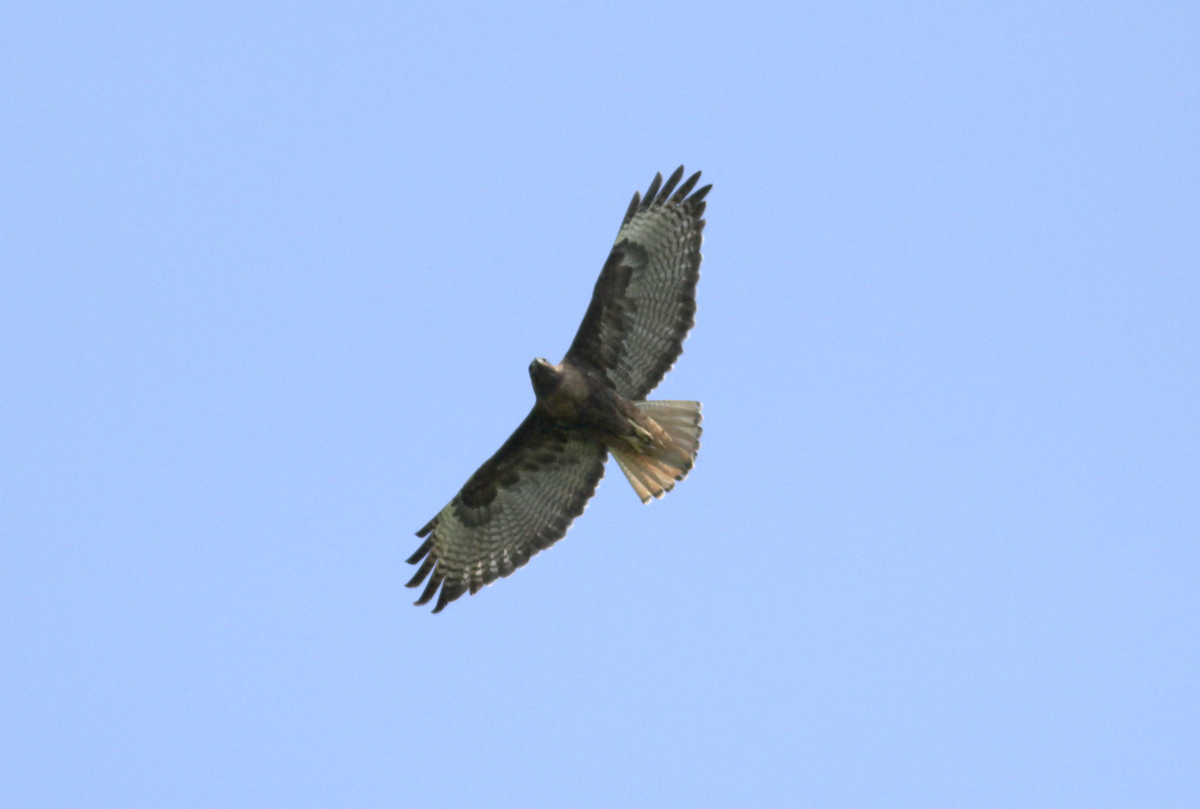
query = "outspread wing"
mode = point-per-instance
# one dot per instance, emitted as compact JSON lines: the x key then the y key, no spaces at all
{"x":520,"y":501}
{"x":645,"y":299}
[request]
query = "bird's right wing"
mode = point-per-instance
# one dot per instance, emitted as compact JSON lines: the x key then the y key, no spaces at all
{"x":520,"y":501}
{"x":644,"y":301}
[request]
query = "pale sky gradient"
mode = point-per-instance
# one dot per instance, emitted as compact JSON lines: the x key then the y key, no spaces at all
{"x":270,"y":279}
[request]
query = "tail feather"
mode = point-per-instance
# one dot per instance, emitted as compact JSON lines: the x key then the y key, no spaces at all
{"x":633,"y":474}
{"x":653,"y":472}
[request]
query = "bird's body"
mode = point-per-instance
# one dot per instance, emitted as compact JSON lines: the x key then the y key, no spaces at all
{"x":525,"y":496}
{"x":579,"y":397}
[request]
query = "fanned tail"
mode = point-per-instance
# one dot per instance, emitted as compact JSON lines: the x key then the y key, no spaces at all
{"x":653,"y":472}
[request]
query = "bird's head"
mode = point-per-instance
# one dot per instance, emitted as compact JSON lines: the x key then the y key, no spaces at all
{"x":544,"y":376}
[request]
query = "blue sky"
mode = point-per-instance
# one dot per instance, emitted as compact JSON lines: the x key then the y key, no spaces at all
{"x":270,"y":278}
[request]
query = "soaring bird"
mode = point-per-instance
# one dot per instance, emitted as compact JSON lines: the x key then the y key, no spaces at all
{"x":524,"y":497}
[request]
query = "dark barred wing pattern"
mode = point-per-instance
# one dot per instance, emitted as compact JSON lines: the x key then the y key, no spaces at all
{"x":519,"y":502}
{"x":645,"y":299}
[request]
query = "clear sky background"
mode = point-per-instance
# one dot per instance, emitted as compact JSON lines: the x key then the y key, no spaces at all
{"x":270,"y":278}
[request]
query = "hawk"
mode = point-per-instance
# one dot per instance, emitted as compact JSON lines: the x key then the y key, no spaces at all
{"x":523,"y":498}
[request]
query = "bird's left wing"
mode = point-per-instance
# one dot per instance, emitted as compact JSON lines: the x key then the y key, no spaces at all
{"x":520,"y":501}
